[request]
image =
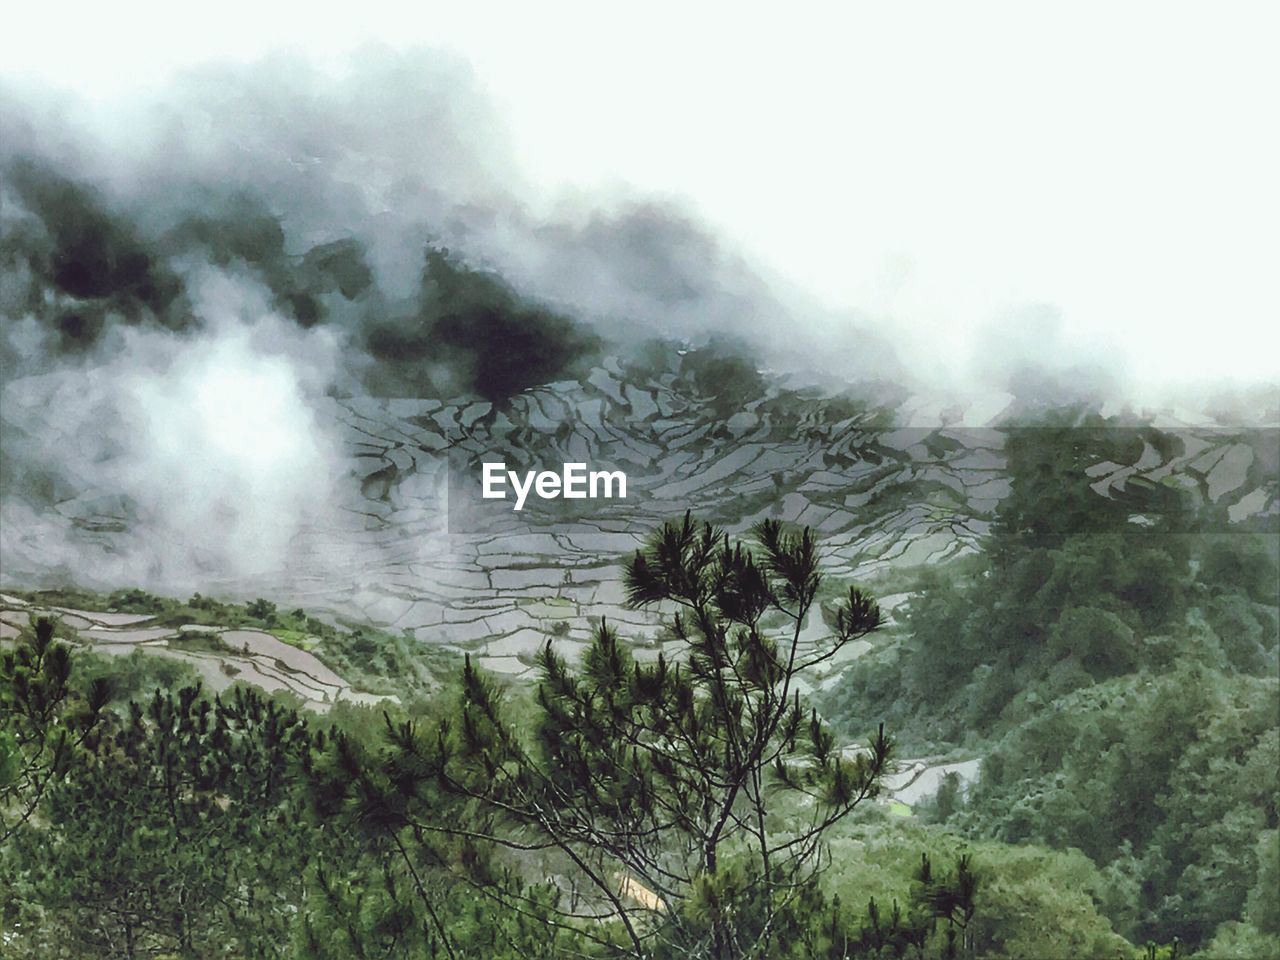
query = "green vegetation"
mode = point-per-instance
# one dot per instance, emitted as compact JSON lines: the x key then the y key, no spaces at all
{"x":1030,"y":903}
{"x":371,"y":660}
{"x":653,"y":790}
{"x":177,"y":827}
{"x":1114,"y":660}
{"x":1167,"y":781}
{"x":1117,"y":681}
{"x":258,"y":614}
{"x":621,"y":810}
{"x":45,"y":722}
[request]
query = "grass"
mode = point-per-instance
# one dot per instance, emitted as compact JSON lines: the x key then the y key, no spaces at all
{"x":302,"y":639}
{"x":199,"y":643}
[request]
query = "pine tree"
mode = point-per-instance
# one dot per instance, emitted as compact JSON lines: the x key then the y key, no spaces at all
{"x":173,"y":829}
{"x":678,"y":807}
{"x":42,"y":721}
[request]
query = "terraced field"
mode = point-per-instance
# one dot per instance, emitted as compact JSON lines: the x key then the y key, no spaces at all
{"x":220,"y":656}
{"x":887,"y":483}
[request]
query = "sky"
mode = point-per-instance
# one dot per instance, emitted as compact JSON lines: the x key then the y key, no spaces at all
{"x":946,"y":170}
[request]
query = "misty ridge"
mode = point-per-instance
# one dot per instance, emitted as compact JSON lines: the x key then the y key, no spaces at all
{"x":183,"y":282}
{"x":401,"y":558}
{"x":188,"y":278}
{"x":382,"y":207}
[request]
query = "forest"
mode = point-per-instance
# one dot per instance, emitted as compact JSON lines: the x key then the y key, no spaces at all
{"x":1113,"y":662}
{"x":1119,"y":679}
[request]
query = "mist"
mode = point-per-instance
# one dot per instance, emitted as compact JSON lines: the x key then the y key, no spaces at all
{"x":191,"y":273}
{"x":190,"y":276}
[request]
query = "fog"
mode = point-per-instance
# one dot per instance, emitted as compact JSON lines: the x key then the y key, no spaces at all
{"x":189,"y":275}
{"x":931,"y":169}
{"x":192,"y":264}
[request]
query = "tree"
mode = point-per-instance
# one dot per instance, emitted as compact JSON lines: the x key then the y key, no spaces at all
{"x":1167,"y":780}
{"x":175,"y":829}
{"x":679,"y":807}
{"x":42,"y":721}
{"x":1263,"y":906}
{"x":932,"y":898}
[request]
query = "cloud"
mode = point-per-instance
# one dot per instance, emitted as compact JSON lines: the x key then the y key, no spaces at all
{"x":191,"y":275}
{"x":203,"y":447}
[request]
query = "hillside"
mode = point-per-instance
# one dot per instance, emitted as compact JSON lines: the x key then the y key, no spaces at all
{"x":889,"y":482}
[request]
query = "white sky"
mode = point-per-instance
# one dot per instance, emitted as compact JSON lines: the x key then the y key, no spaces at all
{"x":936,"y":165}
